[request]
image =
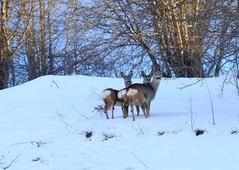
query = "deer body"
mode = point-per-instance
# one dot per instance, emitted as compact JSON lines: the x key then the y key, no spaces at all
{"x":123,"y":97}
{"x":110,"y":95}
{"x":142,"y":94}
{"x":110,"y":98}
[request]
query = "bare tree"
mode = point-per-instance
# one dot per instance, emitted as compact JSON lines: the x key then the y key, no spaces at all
{"x":42,"y":36}
{"x":222,"y":37}
{"x":191,"y":38}
{"x":29,"y":7}
{"x":5,"y":45}
{"x":11,"y":38}
{"x":169,"y":31}
{"x":181,"y":34}
{"x":112,"y":35}
{"x":180,"y":28}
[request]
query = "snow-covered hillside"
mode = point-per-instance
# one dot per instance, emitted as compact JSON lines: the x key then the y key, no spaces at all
{"x":54,"y":123}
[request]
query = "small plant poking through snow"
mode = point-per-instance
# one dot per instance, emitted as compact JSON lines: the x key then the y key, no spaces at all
{"x":193,"y":116}
{"x":36,"y":159}
{"x":235,"y":132}
{"x":107,"y":136}
{"x":211,"y":104}
{"x":161,"y":133}
{"x":88,"y":134}
{"x":38,"y":144}
{"x":199,"y":132}
{"x":98,"y":108}
{"x":141,"y":130}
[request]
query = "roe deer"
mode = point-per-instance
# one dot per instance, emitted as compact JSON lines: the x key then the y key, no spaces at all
{"x":143,"y":94}
{"x":123,"y":98}
{"x":110,"y":96}
{"x":146,"y":78}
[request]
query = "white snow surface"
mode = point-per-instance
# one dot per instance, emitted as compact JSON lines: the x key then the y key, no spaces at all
{"x":55,"y":123}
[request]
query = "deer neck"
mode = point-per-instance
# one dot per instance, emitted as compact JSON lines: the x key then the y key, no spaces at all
{"x":128,"y":84}
{"x":155,"y":85}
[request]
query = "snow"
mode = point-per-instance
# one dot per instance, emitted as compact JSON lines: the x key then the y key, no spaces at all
{"x":55,"y":123}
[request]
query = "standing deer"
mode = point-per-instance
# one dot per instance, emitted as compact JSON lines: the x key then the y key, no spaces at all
{"x":123,"y":98}
{"x":146,"y":78}
{"x":110,"y":96}
{"x":143,"y":94}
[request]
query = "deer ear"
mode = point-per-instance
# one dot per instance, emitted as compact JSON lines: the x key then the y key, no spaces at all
{"x":131,"y":73}
{"x":122,"y":74}
{"x":143,"y":74}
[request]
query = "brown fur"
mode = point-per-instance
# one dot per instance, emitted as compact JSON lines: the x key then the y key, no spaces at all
{"x":123,"y":97}
{"x":112,"y":99}
{"x":143,"y":94}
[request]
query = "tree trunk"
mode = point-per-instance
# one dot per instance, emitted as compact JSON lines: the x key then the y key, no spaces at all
{"x":43,"y":37}
{"x":30,"y":40}
{"x":5,"y":48}
{"x":187,"y":66}
{"x":4,"y":74}
{"x":179,"y":38}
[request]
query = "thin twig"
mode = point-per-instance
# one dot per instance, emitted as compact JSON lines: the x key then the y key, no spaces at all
{"x":62,"y":119}
{"x":38,"y":143}
{"x":79,"y":112}
{"x":10,"y":164}
{"x":193,"y":120}
{"x":140,"y":130}
{"x":188,"y":85}
{"x":95,"y":94}
{"x":55,"y":84}
{"x":139,"y":160}
{"x":211,"y":104}
{"x":222,"y":87}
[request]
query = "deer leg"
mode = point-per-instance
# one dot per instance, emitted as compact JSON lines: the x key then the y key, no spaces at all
{"x":127,"y":111}
{"x":124,"y":110}
{"x":148,"y":109}
{"x":137,"y":108}
{"x":143,"y":109}
{"x":107,"y":115}
{"x":132,"y":110}
{"x":113,"y":108}
{"x":105,"y":111}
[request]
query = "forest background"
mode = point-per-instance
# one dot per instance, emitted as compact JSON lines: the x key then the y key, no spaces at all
{"x":190,"y":38}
